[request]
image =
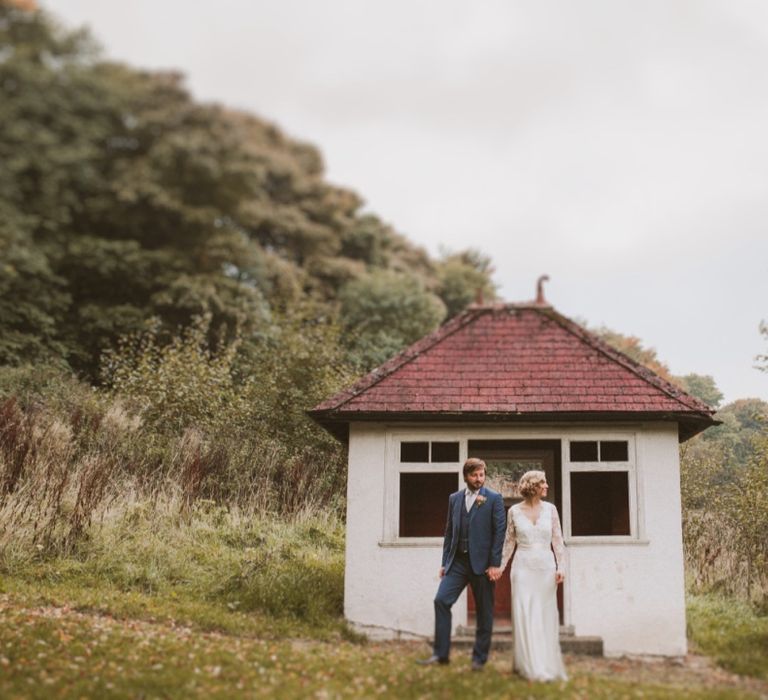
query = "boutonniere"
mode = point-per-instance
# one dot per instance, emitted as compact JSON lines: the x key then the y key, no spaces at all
{"x":480,"y":499}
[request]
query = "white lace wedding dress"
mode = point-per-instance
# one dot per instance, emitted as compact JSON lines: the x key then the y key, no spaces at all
{"x":534,"y":591}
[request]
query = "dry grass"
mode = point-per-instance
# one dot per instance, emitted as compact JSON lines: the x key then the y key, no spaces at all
{"x":62,"y":474}
{"x":715,"y":561}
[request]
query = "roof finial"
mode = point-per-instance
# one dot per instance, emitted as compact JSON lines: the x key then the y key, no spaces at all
{"x":540,"y":290}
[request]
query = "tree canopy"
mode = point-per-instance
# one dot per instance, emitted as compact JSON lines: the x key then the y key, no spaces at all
{"x":122,"y":200}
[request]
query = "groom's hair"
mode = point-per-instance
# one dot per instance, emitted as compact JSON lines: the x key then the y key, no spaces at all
{"x":473,"y":463}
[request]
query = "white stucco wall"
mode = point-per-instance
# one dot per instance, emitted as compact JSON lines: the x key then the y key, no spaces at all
{"x":630,"y":592}
{"x":633,"y":595}
{"x":388,"y":590}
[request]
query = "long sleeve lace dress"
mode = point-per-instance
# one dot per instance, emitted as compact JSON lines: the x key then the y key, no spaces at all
{"x":535,"y":618}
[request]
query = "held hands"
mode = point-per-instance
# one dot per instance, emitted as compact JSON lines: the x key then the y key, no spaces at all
{"x":494,"y":573}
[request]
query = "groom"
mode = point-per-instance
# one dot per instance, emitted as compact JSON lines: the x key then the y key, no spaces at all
{"x":474,"y":537}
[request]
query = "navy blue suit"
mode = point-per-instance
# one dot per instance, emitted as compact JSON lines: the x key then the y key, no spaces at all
{"x":485,"y":525}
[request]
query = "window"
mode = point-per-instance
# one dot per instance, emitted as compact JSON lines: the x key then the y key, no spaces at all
{"x":600,"y":503}
{"x":424,"y":452}
{"x":582,"y":451}
{"x":614,"y":451}
{"x":610,"y":451}
{"x":445,"y":452}
{"x":424,"y":474}
{"x":424,"y":502}
{"x":414,"y":452}
{"x":600,"y":481}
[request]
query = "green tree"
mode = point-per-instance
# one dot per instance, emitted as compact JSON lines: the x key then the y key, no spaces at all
{"x":703,"y":387}
{"x":461,"y":277}
{"x":254,"y":390}
{"x":125,"y":200}
{"x":32,"y":297}
{"x":385,"y":311}
{"x":295,"y":362}
{"x":743,"y":421}
{"x":369,"y":241}
{"x":175,"y":385}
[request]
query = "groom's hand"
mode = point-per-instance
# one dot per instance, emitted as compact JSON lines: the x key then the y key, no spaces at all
{"x":442,"y":572}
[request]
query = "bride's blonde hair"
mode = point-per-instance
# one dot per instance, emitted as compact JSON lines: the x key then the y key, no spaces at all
{"x":529,"y":482}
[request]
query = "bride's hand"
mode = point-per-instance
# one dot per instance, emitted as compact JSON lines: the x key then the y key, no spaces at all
{"x":559,"y":577}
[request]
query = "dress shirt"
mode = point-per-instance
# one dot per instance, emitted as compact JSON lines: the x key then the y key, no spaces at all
{"x":469,"y":498}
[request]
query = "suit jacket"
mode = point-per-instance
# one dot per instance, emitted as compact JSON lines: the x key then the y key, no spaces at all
{"x":487,"y":528}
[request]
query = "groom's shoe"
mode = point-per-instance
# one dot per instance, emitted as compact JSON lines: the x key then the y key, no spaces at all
{"x":433,"y":660}
{"x":477,"y":665}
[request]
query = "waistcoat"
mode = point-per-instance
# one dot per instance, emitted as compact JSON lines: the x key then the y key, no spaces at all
{"x":464,"y":528}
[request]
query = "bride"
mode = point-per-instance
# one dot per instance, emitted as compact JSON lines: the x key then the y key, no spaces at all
{"x":533,"y":533}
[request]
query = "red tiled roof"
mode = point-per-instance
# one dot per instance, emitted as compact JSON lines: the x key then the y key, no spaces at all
{"x":511,"y":359}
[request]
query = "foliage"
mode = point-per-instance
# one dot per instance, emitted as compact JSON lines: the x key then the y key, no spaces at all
{"x":703,"y":387}
{"x":66,"y":458}
{"x":294,"y":364}
{"x":32,"y":297}
{"x":743,"y":420}
{"x":725,"y":516}
{"x":123,"y":200}
{"x":731,"y":632}
{"x":383,"y":312}
{"x":177,"y":384}
{"x":462,"y":276}
{"x":251,"y":394}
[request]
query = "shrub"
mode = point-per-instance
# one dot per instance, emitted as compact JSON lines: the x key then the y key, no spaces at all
{"x":725,"y":516}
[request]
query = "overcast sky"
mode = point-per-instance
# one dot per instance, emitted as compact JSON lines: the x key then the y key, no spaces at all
{"x":620,"y":147}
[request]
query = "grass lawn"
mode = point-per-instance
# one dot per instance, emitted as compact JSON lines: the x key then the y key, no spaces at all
{"x":60,"y":642}
{"x":731,"y":633}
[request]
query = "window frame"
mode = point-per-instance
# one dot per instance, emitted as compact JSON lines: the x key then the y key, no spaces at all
{"x":391,"y":524}
{"x":629,"y":467}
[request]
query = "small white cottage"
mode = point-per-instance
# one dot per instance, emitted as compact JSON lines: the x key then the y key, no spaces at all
{"x":522,"y":387}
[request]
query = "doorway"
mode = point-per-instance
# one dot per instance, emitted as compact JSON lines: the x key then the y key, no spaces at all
{"x":507,"y":461}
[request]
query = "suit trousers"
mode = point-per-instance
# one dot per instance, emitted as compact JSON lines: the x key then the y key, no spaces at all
{"x":452,"y":584}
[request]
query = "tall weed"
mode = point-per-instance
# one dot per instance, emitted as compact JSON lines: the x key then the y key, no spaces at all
{"x":244,"y":561}
{"x":725,"y":518}
{"x":191,"y":472}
